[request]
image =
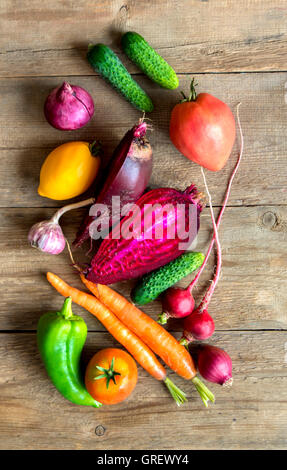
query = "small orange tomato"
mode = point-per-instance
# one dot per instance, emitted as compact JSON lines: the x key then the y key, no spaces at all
{"x":111,"y":376}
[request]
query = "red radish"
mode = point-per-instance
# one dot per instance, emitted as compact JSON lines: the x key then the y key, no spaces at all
{"x":215,"y":365}
{"x":128,"y":174}
{"x":198,"y":327}
{"x":203,"y":129}
{"x":178,"y":301}
{"x":68,"y":107}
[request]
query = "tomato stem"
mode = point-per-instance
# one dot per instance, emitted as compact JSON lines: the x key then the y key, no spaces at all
{"x":95,"y":148}
{"x":109,"y":374}
{"x":184,"y":97}
{"x":192,"y":94}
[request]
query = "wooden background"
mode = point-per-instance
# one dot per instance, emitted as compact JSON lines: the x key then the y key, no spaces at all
{"x":237,"y":51}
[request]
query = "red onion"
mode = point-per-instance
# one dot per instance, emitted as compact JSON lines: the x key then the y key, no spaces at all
{"x":215,"y":365}
{"x":68,"y":107}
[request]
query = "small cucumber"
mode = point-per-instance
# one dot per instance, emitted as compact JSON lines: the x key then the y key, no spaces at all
{"x":105,"y":61}
{"x":154,"y":283}
{"x":149,"y":61}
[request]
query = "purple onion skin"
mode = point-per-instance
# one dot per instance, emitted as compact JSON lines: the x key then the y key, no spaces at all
{"x":215,"y":365}
{"x":68,"y":107}
{"x":119,"y":258}
{"x":127,"y":175}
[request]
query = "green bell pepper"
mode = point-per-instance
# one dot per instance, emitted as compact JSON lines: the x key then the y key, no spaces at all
{"x":61,"y":337}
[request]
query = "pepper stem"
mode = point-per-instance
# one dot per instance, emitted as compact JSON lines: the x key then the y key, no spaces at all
{"x":108,"y":374}
{"x":178,"y":395}
{"x":205,"y":394}
{"x":66,"y":310}
{"x":162,"y":318}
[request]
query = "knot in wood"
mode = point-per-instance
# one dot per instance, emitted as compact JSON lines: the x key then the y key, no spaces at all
{"x":269,"y":219}
{"x":100,"y":430}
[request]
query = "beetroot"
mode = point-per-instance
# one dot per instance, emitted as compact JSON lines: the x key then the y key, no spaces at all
{"x":163,"y":222}
{"x":128,"y":174}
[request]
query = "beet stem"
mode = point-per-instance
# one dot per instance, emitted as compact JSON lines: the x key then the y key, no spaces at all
{"x":195,"y":280}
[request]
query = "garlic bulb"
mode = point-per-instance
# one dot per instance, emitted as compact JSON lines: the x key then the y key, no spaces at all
{"x":47,"y":236}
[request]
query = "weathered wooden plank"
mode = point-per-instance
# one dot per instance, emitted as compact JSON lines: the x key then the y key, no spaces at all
{"x":26,"y":138}
{"x":252,"y":292}
{"x":35,"y":416}
{"x":195,"y":35}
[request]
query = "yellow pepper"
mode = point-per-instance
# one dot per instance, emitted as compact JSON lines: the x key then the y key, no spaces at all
{"x":69,"y":170}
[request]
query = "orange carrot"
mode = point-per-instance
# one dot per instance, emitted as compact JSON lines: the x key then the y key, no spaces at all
{"x":139,"y":350}
{"x":154,"y":335}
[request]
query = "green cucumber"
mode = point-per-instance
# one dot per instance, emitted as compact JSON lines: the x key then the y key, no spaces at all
{"x":154,"y":283}
{"x":149,"y":61}
{"x":105,"y":61}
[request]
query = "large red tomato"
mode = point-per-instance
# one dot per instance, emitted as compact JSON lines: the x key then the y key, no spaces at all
{"x":203,"y":129}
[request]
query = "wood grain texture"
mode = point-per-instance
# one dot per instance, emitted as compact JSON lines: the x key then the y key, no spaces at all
{"x":42,"y":44}
{"x":27,"y":138}
{"x":251,"y":415}
{"x":252,"y":292}
{"x":193,"y":35}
